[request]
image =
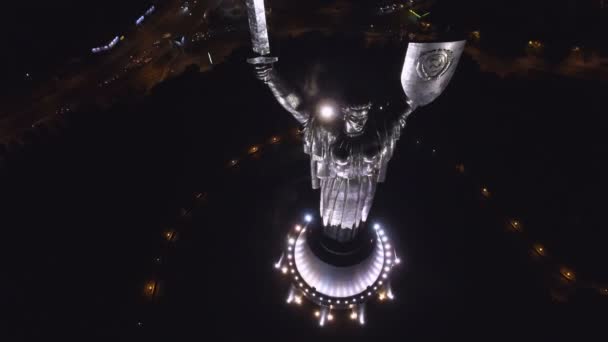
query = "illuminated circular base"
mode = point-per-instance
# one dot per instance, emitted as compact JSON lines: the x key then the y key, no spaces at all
{"x":338,"y":287}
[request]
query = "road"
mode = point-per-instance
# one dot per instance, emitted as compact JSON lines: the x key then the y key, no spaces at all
{"x":147,"y":56}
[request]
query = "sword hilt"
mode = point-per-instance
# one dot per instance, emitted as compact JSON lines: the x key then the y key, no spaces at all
{"x":262,"y":60}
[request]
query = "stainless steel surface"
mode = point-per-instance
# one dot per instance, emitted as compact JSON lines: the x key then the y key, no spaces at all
{"x":428,"y":68}
{"x":262,"y":60}
{"x":348,"y":158}
{"x":285,"y":94}
{"x":347,"y":168}
{"x":256,"y":12}
{"x":337,"y":282}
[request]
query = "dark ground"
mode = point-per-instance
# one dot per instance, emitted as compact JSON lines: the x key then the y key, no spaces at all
{"x":85,"y":209}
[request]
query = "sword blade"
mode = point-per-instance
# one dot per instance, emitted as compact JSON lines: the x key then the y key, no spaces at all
{"x":256,"y":12}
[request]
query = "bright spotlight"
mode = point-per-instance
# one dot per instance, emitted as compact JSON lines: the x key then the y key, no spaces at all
{"x":327,"y":112}
{"x":376,"y":226}
{"x":308,"y":218}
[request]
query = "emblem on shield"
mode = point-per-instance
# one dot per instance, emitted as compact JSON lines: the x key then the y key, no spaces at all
{"x":433,"y":64}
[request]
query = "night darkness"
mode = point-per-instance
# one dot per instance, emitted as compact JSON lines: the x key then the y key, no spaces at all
{"x":495,"y":197}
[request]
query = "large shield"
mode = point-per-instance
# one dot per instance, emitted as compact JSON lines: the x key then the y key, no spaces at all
{"x":428,"y":68}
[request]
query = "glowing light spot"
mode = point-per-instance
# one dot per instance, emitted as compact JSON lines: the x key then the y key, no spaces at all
{"x":330,"y":317}
{"x":387,"y":246}
{"x":298,"y":300}
{"x":386,"y":268}
{"x":376,"y":226}
{"x":567,"y":273}
{"x":317,"y":313}
{"x":485,"y":192}
{"x":284,"y":270}
{"x":384,"y":239}
{"x":292,"y":241}
{"x":516,"y":225}
{"x":397,"y":261}
{"x":150,"y":288}
{"x":327,"y":112}
{"x":298,"y":227}
{"x":539,"y":249}
{"x":308,"y":218}
{"x":384,"y":275}
{"x":353,"y":315}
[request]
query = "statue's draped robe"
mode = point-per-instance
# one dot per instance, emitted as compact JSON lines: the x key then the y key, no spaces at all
{"x":348,"y":168}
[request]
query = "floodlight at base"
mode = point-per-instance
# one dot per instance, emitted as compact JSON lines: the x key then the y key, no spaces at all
{"x":335,"y":288}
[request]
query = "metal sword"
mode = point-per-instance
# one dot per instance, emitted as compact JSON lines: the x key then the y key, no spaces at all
{"x":256,"y":12}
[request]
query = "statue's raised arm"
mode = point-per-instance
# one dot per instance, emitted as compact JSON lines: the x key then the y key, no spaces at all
{"x":427,"y":70}
{"x":285,"y":94}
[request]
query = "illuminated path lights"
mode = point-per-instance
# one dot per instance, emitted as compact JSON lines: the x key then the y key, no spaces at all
{"x":336,"y":291}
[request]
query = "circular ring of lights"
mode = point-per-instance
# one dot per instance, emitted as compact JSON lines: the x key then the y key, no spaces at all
{"x":338,"y":287}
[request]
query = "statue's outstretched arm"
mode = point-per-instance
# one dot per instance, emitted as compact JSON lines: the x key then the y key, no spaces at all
{"x":402,"y":119}
{"x":283,"y":92}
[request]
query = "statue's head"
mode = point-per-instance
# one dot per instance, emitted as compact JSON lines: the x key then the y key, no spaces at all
{"x":355,"y":118}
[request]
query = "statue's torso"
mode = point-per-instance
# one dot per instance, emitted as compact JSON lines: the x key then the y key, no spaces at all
{"x":347,"y":168}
